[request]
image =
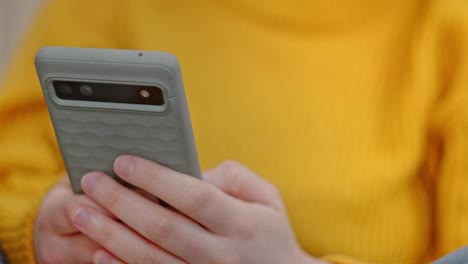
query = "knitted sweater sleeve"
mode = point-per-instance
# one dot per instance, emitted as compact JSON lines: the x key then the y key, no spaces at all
{"x":30,"y":162}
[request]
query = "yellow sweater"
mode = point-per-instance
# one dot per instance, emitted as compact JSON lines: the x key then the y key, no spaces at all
{"x":356,"y":110}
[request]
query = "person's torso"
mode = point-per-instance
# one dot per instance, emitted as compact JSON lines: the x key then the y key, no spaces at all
{"x":325,"y":108}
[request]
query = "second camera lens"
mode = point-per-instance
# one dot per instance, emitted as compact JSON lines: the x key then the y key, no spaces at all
{"x":86,"y":90}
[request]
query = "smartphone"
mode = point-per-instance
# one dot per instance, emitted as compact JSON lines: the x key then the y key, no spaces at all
{"x":459,"y":256}
{"x":104,"y":103}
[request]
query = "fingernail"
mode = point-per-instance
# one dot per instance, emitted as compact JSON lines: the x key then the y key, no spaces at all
{"x":88,"y":182}
{"x":124,"y":165}
{"x":82,"y":217}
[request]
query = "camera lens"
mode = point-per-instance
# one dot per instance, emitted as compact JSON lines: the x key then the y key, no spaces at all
{"x":145,"y":93}
{"x":65,"y":89}
{"x":86,"y":90}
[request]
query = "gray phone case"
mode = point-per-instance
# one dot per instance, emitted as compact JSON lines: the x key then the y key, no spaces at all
{"x":459,"y":256}
{"x":92,"y":134}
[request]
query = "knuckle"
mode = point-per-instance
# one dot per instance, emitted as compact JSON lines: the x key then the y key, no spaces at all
{"x":246,"y":230}
{"x":113,"y":199}
{"x":106,"y":236}
{"x":232,"y":166}
{"x":233,"y":170}
{"x":199,"y":198}
{"x":160,"y":230}
{"x":147,"y":172}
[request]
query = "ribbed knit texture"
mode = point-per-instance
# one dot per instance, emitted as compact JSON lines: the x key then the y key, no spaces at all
{"x":356,"y":110}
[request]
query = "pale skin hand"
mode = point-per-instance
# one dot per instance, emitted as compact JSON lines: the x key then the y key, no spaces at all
{"x":56,"y":239}
{"x":233,"y":216}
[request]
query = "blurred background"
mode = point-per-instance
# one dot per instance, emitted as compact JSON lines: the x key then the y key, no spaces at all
{"x":15,"y":16}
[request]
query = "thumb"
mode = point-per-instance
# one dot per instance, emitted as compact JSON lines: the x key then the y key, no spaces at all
{"x":240,"y":182}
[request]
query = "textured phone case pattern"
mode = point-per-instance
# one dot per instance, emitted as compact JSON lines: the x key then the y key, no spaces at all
{"x":91,"y":140}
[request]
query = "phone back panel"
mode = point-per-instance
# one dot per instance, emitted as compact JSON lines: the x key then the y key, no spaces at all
{"x":91,"y":136}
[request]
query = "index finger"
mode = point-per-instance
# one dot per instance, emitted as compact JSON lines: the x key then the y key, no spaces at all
{"x":201,"y":201}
